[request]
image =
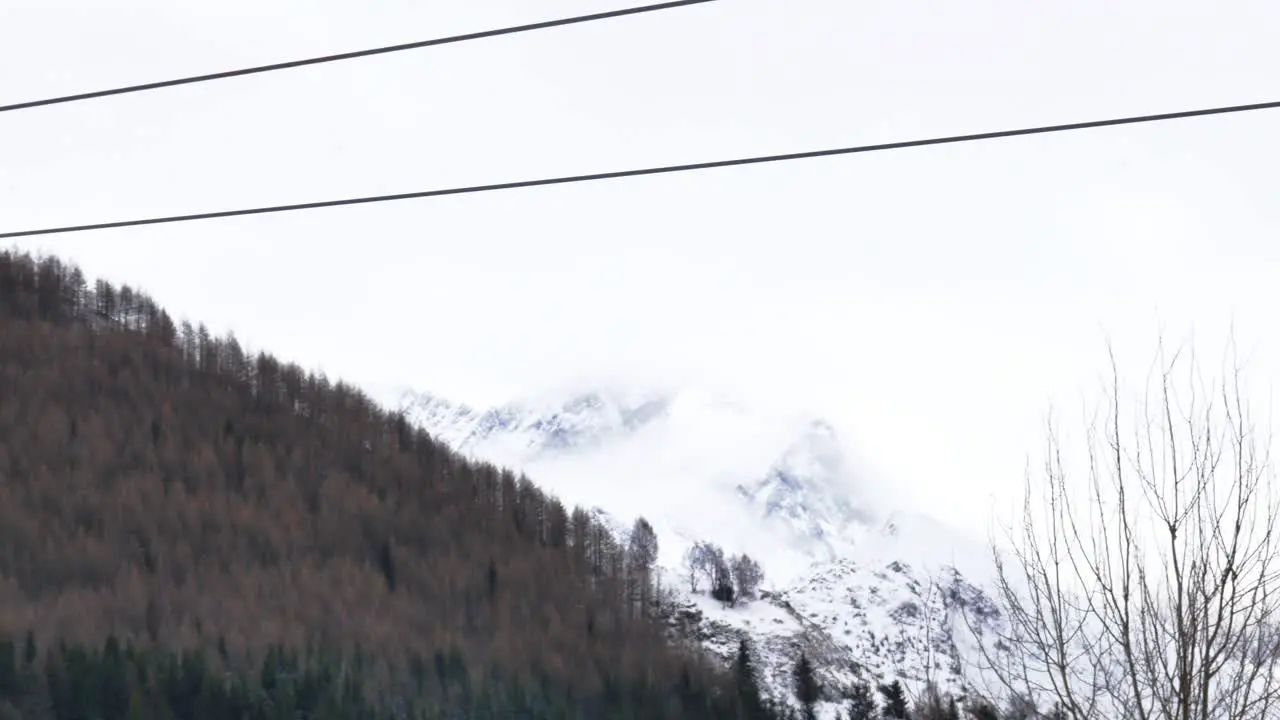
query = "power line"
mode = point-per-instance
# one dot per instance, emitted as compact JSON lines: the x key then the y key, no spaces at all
{"x":352,"y":55}
{"x":653,"y":170}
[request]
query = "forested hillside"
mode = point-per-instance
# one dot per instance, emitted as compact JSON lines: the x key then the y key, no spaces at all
{"x":188,"y":530}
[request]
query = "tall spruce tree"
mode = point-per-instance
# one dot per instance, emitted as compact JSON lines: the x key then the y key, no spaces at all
{"x":746,"y":683}
{"x":806,"y":686}
{"x":895,"y":700}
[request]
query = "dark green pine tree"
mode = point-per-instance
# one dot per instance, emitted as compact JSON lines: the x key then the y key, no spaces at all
{"x":746,"y":684}
{"x":862,"y":703}
{"x":806,"y":686}
{"x":982,"y":710}
{"x":29,"y":650}
{"x":112,"y":682}
{"x":9,"y":679}
{"x":895,"y":700}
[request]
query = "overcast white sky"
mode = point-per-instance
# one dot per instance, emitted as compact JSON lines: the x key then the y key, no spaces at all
{"x":932,"y":302}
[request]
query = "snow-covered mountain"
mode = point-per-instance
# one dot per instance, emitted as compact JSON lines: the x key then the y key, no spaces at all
{"x":696,"y":465}
{"x":868,"y":594}
{"x":858,"y":622}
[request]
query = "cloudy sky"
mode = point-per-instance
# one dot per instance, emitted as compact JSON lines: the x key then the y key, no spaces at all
{"x":933,"y":302}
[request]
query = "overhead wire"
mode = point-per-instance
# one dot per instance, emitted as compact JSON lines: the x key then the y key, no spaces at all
{"x":564,"y":180}
{"x":350,"y":55}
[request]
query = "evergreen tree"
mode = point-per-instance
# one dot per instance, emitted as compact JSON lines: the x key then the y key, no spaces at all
{"x":895,"y":700}
{"x":9,"y":678}
{"x":933,"y":705}
{"x":862,"y":703}
{"x":722,"y":588}
{"x":746,"y":684}
{"x":806,"y":686}
{"x":1019,"y":707}
{"x":981,"y":709}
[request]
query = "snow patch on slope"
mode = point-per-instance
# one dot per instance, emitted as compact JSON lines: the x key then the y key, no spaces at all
{"x":857,"y":622}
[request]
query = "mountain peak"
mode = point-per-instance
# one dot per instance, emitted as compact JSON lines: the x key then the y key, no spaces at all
{"x":696,"y":460}
{"x":809,"y":488}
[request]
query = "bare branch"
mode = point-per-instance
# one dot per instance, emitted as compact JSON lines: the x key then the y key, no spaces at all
{"x":1151,"y":590}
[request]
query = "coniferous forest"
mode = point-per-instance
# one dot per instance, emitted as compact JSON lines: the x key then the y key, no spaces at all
{"x":189,"y":530}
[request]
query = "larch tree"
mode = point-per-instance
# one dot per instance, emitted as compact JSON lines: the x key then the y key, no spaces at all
{"x":166,"y":495}
{"x":642,"y":555}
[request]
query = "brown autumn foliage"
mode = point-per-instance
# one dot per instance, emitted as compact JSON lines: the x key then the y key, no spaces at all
{"x":168,"y":487}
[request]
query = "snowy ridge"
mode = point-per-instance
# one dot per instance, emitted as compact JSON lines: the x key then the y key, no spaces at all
{"x":525,"y":429}
{"x":697,"y":465}
{"x":866,"y":595}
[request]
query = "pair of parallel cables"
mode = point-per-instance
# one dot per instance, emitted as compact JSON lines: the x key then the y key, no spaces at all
{"x":563,"y":180}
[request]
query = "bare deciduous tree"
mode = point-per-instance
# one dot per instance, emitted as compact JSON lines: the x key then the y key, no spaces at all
{"x":705,"y":560}
{"x":1151,"y":590}
{"x":747,"y":576}
{"x":696,"y":561}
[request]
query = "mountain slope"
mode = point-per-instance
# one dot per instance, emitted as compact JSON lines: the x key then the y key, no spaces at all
{"x":160,"y":489}
{"x":868,"y":595}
